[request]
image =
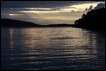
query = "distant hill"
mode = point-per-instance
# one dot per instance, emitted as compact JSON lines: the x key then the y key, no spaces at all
{"x":16,"y":23}
{"x":94,"y":19}
{"x":59,"y":25}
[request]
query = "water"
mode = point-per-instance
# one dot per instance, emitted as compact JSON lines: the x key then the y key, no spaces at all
{"x":52,"y":49}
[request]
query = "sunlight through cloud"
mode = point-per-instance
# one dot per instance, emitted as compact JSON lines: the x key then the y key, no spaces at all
{"x":15,"y":14}
{"x":66,"y":13}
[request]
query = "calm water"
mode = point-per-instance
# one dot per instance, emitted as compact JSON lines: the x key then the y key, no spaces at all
{"x":52,"y":49}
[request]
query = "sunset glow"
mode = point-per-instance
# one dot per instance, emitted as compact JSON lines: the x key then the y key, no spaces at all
{"x":14,"y":14}
{"x":66,"y":14}
{"x":52,"y":35}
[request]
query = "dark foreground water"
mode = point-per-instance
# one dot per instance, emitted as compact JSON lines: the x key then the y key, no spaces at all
{"x":52,"y":49}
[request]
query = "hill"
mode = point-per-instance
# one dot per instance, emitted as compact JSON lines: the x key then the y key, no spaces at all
{"x":17,"y":23}
{"x":94,"y":20}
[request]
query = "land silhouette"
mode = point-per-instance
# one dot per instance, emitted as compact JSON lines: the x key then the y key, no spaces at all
{"x":93,"y":20}
{"x":17,"y":23}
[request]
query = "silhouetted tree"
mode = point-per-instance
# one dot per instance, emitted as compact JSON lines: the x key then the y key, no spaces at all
{"x":83,"y":15}
{"x":90,"y":8}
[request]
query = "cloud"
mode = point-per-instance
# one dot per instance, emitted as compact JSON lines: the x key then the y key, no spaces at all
{"x":45,"y":12}
{"x":100,"y":5}
{"x":37,"y":4}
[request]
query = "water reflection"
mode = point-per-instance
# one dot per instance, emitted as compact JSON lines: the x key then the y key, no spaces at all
{"x":52,"y":48}
{"x":11,"y":38}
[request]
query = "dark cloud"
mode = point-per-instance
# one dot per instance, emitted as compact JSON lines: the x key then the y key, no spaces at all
{"x":18,"y":4}
{"x":100,"y":5}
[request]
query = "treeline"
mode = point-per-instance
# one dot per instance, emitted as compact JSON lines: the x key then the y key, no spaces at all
{"x":94,"y":19}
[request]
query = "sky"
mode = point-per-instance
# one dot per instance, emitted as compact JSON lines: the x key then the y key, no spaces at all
{"x":47,"y":12}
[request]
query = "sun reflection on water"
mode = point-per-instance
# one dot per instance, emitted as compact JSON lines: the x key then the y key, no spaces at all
{"x":71,"y":41}
{"x":52,"y":46}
